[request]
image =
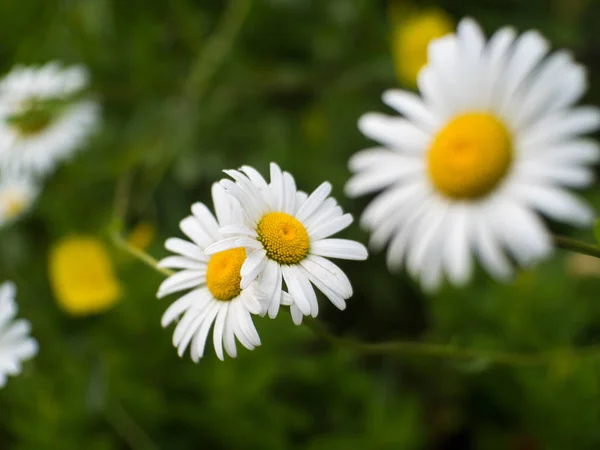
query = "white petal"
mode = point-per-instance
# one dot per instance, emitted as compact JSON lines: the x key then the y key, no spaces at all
{"x":411,"y":106}
{"x":556,"y":203}
{"x":295,"y":287}
{"x":222,"y":245}
{"x":394,"y":132}
{"x":206,"y":220}
{"x":314,"y":201}
{"x":181,"y":262}
{"x":181,"y":281}
{"x":326,"y":229}
{"x":185,"y":248}
{"x":339,"y":248}
{"x":255,"y":263}
{"x":218,"y":330}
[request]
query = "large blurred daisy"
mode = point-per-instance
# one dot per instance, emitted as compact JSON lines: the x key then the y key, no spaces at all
{"x":494,"y":138}
{"x":44,"y":118}
{"x":216,"y":296}
{"x":16,"y":345}
{"x":287,"y":236}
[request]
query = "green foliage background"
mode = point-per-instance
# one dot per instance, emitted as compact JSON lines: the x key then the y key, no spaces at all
{"x":185,"y":97}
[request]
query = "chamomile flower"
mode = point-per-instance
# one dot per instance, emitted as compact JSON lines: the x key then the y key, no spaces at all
{"x":216,"y":296}
{"x":18,"y":192}
{"x":16,"y":345}
{"x":43,"y":117}
{"x":493,"y":140}
{"x":287,"y":236}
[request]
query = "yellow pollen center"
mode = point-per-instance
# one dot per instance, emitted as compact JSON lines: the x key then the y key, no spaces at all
{"x":284,"y":238}
{"x":223,"y":274}
{"x":470,"y":156}
{"x":14,"y":204}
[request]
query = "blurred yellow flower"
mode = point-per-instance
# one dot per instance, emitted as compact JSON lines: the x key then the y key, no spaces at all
{"x":82,"y":277}
{"x":410,"y":38}
{"x":142,"y":235}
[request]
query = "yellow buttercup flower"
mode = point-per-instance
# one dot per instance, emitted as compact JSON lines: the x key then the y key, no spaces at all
{"x":142,"y":235}
{"x":82,"y":277}
{"x":410,"y":38}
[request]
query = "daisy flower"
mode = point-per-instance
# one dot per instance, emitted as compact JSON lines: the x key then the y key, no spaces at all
{"x":43,"y":117}
{"x":82,"y":275}
{"x":17,"y":193}
{"x":286,"y":234}
{"x":493,"y":139}
{"x":16,"y":345}
{"x":216,"y":296}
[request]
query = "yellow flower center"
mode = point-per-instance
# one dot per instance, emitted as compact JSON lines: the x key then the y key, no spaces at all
{"x":284,"y":238}
{"x":82,"y":276}
{"x":34,"y":117}
{"x":470,"y":156}
{"x":223,"y":274}
{"x":14,"y":203}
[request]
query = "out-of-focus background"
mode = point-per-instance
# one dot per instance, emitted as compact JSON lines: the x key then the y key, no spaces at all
{"x":189,"y":88}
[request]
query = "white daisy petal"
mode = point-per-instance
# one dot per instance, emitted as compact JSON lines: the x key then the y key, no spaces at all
{"x":253,"y":266}
{"x":16,"y":345}
{"x":412,"y":107}
{"x":181,"y":262}
{"x":314,"y":201}
{"x":556,"y":204}
{"x":326,"y":229}
{"x":294,"y":280}
{"x":396,"y":133}
{"x":339,"y":248}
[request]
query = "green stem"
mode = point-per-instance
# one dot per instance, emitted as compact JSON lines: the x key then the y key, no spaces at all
{"x":450,"y":351}
{"x":139,"y":254}
{"x":576,"y":246}
{"x":218,"y":46}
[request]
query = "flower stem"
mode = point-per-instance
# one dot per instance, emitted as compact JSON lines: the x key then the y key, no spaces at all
{"x":576,"y":246}
{"x":449,"y":351}
{"x":139,"y":254}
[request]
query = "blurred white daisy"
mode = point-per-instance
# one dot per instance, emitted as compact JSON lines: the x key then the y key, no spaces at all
{"x":216,"y":296}
{"x":287,"y":235}
{"x":44,"y":118}
{"x":494,"y":138}
{"x":17,"y":193}
{"x":16,"y":345}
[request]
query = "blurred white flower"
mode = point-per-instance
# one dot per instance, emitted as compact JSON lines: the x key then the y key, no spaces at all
{"x":287,"y":235}
{"x":16,"y":345}
{"x":44,"y":118}
{"x":17,"y":193}
{"x":216,"y":296}
{"x":494,"y":138}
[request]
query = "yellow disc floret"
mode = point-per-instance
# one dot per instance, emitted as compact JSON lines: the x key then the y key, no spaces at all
{"x":284,"y":237}
{"x":223,"y":274}
{"x":13,"y":203}
{"x":470,"y":156}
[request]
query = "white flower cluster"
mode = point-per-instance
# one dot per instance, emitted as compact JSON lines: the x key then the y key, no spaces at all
{"x":44,"y":118}
{"x":267,"y":246}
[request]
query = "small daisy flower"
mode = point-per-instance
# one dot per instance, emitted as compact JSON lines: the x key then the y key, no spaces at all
{"x":287,"y":235}
{"x":411,"y":36}
{"x":43,"y":117}
{"x":18,"y":192}
{"x":216,"y":296}
{"x":16,"y":345}
{"x":82,"y":276}
{"x":494,"y":138}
